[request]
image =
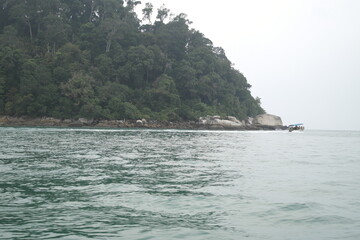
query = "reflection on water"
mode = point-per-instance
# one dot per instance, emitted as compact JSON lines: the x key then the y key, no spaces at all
{"x":162,"y":184}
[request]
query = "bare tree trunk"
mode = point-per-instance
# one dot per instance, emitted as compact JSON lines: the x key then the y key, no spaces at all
{"x":109,"y":38}
{"x":54,"y":49}
{"x":38,"y":28}
{"x":30,"y":28}
{"x":92,"y":6}
{"x":108,"y":45}
{"x":147,"y":76}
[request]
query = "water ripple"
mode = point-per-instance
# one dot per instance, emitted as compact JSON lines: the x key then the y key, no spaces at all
{"x":166,"y":184}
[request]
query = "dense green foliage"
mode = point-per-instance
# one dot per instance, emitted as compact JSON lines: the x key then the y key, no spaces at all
{"x":97,"y":59}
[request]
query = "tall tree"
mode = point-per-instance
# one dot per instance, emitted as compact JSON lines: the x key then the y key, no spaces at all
{"x":55,"y":32}
{"x":80,"y":88}
{"x":163,"y":13}
{"x":147,"y":12}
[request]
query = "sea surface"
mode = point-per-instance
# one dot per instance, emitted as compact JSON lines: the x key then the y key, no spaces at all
{"x":63,"y":183}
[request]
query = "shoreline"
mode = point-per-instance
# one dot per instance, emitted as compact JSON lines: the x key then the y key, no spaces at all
{"x":7,"y":121}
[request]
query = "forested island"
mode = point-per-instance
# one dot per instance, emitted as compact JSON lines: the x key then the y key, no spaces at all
{"x":97,"y":59}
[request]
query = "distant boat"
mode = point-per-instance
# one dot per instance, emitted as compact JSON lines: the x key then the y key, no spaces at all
{"x":298,"y":126}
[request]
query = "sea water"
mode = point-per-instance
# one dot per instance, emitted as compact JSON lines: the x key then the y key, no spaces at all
{"x":62,"y":183}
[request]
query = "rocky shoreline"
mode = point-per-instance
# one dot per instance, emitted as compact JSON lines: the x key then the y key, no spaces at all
{"x":210,"y":122}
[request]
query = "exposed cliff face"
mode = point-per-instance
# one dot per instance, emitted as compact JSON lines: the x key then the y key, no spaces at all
{"x":267,"y":120}
{"x":263,"y":121}
{"x":216,"y":122}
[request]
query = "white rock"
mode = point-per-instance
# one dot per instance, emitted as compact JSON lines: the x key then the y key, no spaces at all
{"x":233,"y":119}
{"x":217,"y":122}
{"x":86,"y":121}
{"x":249,"y":120}
{"x":267,"y":120}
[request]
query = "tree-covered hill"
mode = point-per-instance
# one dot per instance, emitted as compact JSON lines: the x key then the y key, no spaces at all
{"x":97,"y":59}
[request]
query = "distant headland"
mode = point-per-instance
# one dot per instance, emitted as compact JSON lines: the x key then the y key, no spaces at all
{"x":74,"y":63}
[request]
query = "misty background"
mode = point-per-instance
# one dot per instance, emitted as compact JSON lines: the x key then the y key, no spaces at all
{"x":301,"y":57}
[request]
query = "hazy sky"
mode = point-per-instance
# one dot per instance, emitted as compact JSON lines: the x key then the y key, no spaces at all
{"x":302,"y":57}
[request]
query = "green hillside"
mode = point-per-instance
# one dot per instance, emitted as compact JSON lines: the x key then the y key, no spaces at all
{"x":98,"y":59}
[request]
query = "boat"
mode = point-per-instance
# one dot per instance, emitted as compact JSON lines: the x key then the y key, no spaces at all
{"x":298,"y":127}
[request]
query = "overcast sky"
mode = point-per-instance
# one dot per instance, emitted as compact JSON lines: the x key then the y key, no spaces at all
{"x":302,"y":57}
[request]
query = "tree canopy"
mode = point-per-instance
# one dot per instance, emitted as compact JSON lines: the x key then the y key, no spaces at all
{"x":98,"y":59}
